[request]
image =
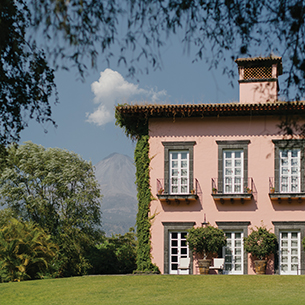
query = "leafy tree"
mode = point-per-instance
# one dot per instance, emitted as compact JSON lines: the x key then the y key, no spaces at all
{"x":77,"y":30}
{"x":115,"y":255}
{"x":26,"y":80}
{"x":260,"y":243}
{"x":57,"y":190}
{"x":26,"y":251}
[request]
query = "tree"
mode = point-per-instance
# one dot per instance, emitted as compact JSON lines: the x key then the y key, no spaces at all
{"x":26,"y":80}
{"x":115,"y":255}
{"x":26,"y":251}
{"x":77,"y":30}
{"x":57,"y":190}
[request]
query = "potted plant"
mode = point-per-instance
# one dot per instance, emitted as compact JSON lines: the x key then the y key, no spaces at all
{"x":272,"y":190}
{"x":248,"y":190}
{"x":160,"y":191}
{"x":206,"y":242}
{"x":214,"y":190}
{"x":260,"y":244}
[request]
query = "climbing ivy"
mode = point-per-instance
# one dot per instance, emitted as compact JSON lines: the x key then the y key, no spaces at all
{"x":142,"y":161}
{"x":144,"y":198}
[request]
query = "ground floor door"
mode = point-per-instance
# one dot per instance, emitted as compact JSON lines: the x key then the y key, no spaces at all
{"x":178,"y":249}
{"x":290,"y":252}
{"x":233,"y":253}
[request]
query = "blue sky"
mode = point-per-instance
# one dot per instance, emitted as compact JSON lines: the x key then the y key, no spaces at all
{"x":84,"y":114}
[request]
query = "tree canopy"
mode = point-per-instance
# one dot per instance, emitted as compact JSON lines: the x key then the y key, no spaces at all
{"x":57,"y":190}
{"x":71,"y":32}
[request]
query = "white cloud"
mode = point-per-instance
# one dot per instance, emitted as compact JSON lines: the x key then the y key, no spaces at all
{"x":111,"y":89}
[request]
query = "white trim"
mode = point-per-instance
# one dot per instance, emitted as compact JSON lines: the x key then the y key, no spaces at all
{"x":233,"y":171}
{"x":179,"y":172}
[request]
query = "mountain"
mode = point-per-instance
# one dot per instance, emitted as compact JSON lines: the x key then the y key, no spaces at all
{"x":116,"y":176}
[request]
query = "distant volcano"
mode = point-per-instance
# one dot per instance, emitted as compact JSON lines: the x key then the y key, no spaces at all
{"x":116,"y":176}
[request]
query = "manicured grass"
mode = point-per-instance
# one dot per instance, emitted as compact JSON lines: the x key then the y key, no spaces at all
{"x":158,"y":289}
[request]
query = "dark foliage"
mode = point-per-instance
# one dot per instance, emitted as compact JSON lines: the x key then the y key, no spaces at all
{"x":26,"y":80}
{"x":116,"y":255}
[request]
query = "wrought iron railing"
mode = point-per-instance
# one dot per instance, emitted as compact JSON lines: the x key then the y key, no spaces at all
{"x":233,"y":185}
{"x":285,"y":185}
{"x":178,"y":186}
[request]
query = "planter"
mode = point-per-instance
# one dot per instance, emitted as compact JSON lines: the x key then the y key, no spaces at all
{"x":204,"y":265}
{"x":260,"y":266}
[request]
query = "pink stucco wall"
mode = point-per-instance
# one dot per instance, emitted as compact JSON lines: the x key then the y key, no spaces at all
{"x":258,"y":92}
{"x":260,"y":131}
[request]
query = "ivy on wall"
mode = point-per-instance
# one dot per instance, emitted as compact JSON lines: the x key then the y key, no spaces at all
{"x":142,"y":161}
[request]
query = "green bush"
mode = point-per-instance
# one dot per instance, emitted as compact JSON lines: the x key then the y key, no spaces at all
{"x":116,"y":255}
{"x":26,"y":251}
{"x":260,"y":243}
{"x":206,"y":241}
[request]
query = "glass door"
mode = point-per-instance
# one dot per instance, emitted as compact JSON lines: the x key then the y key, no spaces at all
{"x":179,"y":172}
{"x":290,"y":171}
{"x":233,"y":253}
{"x":233,"y":171}
{"x":289,"y":252}
{"x":178,"y":249}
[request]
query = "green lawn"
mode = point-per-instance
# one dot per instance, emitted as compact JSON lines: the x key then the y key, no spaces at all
{"x":158,"y":289}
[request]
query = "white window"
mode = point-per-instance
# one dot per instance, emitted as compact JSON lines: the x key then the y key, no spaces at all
{"x":178,"y":249}
{"x":289,"y":252}
{"x":179,"y":172}
{"x":233,"y":171}
{"x":290,"y":167}
{"x":233,"y":253}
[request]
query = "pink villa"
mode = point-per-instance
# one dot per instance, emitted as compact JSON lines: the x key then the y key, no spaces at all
{"x":227,"y":165}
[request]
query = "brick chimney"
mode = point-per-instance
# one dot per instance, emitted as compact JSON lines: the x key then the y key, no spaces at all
{"x":258,"y":79}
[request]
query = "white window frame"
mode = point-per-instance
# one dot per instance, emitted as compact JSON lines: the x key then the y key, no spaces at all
{"x":239,"y":145}
{"x":178,"y":146}
{"x":233,"y":175}
{"x":289,"y":226}
{"x":290,"y":181}
{"x":290,"y":145}
{"x":231,"y":255}
{"x":289,"y":252}
{"x":180,"y":247}
{"x":179,"y":172}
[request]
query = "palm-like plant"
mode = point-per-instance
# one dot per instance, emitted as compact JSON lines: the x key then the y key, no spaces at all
{"x":25,"y":251}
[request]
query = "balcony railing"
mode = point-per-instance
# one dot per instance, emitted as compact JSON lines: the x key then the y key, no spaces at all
{"x":177,"y":189}
{"x":233,"y":188}
{"x":286,"y":188}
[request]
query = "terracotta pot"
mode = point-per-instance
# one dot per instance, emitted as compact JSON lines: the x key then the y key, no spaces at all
{"x":204,"y":265}
{"x":260,"y":266}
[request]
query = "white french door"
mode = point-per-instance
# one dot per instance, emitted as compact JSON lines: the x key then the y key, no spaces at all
{"x":178,"y":248}
{"x":233,"y":171}
{"x":233,"y":253}
{"x":179,"y":172}
{"x":290,"y":161}
{"x":290,"y":252}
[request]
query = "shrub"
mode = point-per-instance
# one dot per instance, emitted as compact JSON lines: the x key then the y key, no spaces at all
{"x":117,"y":254}
{"x":25,"y":251}
{"x":260,"y":243}
{"x":206,"y":241}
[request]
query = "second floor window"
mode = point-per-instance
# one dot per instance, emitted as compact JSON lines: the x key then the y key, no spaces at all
{"x":179,"y":172}
{"x":290,"y":167}
{"x":233,"y":171}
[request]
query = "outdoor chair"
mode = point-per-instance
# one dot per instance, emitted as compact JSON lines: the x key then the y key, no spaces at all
{"x":184,"y":263}
{"x":218,"y":264}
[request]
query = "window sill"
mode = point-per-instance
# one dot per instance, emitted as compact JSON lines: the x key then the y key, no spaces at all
{"x":232,"y":197}
{"x":287,"y":196}
{"x":177,"y":198}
